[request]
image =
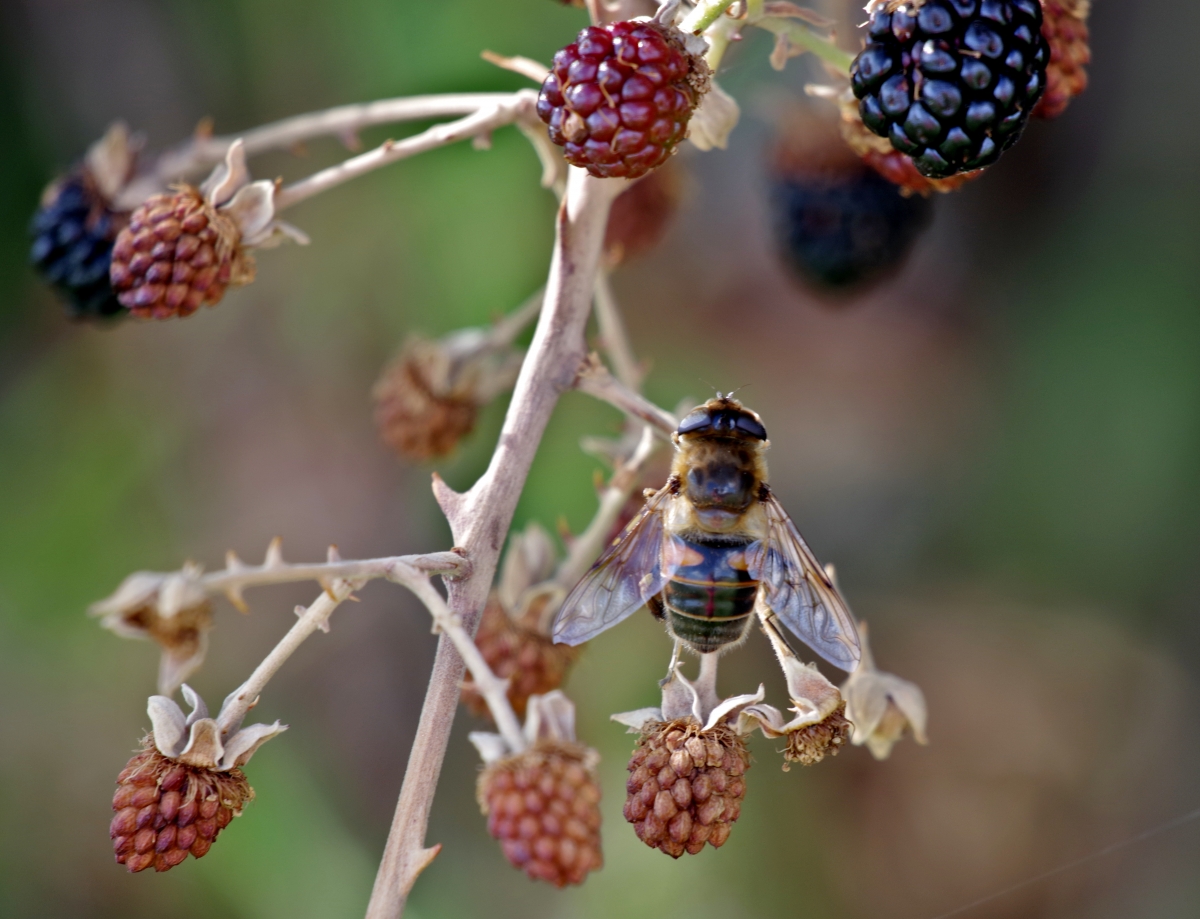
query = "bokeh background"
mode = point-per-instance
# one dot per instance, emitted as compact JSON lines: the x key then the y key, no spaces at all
{"x":999,"y":446}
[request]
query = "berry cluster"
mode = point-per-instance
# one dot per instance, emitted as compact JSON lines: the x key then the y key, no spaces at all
{"x":952,"y":83}
{"x":166,"y":809}
{"x":619,"y":99}
{"x":177,"y":254}
{"x":73,"y":233}
{"x":544,"y":807}
{"x":686,"y":786}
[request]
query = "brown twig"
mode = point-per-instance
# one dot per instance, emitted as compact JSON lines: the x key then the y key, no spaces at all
{"x":480,"y":517}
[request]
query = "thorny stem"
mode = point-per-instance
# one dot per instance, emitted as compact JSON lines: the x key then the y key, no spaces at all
{"x":596,"y":380}
{"x":480,"y":517}
{"x":504,"y":111}
{"x":236,"y":576}
{"x":340,"y":580}
{"x":493,"y":688}
{"x":345,"y":121}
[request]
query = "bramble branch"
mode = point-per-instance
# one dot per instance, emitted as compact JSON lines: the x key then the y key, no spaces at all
{"x":507,"y":110}
{"x":595,"y":379}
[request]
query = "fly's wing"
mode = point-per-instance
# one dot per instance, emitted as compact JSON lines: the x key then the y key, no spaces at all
{"x":630,"y":572}
{"x":798,"y":591}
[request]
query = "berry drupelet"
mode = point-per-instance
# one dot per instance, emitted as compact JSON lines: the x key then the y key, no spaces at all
{"x":618,"y":100}
{"x":1066,"y":30}
{"x":73,"y":233}
{"x":951,"y":83}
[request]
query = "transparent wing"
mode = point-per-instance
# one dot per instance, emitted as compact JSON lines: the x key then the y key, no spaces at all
{"x":798,"y":591}
{"x":630,"y":572}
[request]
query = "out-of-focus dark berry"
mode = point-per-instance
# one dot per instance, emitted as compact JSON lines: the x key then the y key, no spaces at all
{"x":618,"y":100}
{"x":952,"y":83}
{"x":838,"y":223}
{"x":73,"y":233}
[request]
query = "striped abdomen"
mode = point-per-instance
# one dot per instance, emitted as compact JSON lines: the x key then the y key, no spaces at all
{"x":709,"y":600}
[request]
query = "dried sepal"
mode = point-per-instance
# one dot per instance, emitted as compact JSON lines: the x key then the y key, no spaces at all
{"x":714,"y":119}
{"x":171,"y":609}
{"x":882,"y":706}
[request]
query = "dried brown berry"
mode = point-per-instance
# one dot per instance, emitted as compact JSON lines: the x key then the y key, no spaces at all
{"x":166,"y":809}
{"x":1065,"y":27}
{"x":686,"y":785}
{"x":811,"y":744}
{"x":177,"y":254}
{"x":520,"y":652}
{"x":641,"y":215}
{"x":544,"y":807}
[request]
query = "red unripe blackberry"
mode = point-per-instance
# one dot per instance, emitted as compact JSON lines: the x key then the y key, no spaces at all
{"x":544,"y":807}
{"x":951,"y":83}
{"x":177,"y":254}
{"x":618,"y":100}
{"x":686,"y":785}
{"x":1066,"y":30}
{"x":166,"y":810}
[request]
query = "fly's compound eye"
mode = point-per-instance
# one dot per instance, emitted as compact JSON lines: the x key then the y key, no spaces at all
{"x":694,"y":422}
{"x":747,"y":424}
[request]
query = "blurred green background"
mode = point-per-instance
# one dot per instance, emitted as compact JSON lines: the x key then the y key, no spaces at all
{"x":999,"y":447}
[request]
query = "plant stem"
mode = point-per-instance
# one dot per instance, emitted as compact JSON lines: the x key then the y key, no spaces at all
{"x":596,"y":380}
{"x":480,"y":517}
{"x":704,"y":14}
{"x":200,"y":153}
{"x":803,"y":37}
{"x":613,"y":334}
{"x":502,"y":112}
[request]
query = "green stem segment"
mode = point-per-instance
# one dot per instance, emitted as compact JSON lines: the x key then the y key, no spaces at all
{"x":704,"y":14}
{"x":803,"y":37}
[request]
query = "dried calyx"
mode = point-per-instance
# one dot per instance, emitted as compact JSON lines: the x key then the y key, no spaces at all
{"x":429,"y":397}
{"x":819,"y":727}
{"x":512,"y":635}
{"x":881,"y":705}
{"x":543,"y":802}
{"x":182,"y":249}
{"x":171,"y":609}
{"x":183,"y":787}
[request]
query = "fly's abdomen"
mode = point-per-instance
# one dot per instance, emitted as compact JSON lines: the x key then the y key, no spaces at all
{"x":709,"y":601}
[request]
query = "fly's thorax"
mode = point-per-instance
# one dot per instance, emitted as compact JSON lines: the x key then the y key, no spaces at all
{"x":720,"y":479}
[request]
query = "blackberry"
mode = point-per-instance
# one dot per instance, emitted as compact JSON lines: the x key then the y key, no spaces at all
{"x":840,"y":224}
{"x":73,"y":233}
{"x":951,"y":83}
{"x":618,"y":100}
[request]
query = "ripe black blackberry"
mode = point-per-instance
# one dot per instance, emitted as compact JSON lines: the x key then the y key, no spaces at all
{"x":73,"y":233}
{"x":951,"y":83}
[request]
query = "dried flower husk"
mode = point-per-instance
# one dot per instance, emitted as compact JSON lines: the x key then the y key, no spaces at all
{"x":172,"y":610}
{"x":686,"y":785}
{"x":882,"y":706}
{"x":543,"y":805}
